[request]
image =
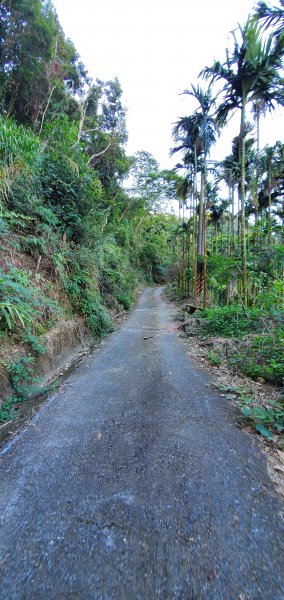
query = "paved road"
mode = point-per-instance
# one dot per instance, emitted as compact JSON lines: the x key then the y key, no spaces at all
{"x":133,"y":483}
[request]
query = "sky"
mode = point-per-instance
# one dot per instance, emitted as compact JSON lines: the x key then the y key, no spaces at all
{"x":157,"y":48}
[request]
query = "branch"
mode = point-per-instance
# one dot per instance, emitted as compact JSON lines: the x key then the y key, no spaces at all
{"x":102,"y":151}
{"x":47,"y":105}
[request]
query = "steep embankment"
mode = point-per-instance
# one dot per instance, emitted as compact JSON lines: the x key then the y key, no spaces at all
{"x":50,"y":315}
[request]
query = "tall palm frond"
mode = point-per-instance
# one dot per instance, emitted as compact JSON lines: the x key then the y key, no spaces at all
{"x":271,"y":15}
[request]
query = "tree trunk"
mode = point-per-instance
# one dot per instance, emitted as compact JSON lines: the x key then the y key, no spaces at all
{"x":257,"y":172}
{"x":183,"y":252}
{"x":200,"y":239}
{"x":82,"y":108}
{"x":233,"y":216}
{"x":269,"y":204}
{"x":194,"y":224}
{"x":243,"y":222}
{"x":205,"y":234}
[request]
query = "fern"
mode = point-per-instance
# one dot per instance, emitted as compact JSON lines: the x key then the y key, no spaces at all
{"x":16,"y":313}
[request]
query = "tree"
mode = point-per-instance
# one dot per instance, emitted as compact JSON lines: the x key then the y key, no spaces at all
{"x":271,"y":16}
{"x":156,"y":188}
{"x":208,"y":136}
{"x":249,"y":72}
{"x":194,"y":136}
{"x":187,"y":135}
{"x":40,"y":70}
{"x":271,"y":168}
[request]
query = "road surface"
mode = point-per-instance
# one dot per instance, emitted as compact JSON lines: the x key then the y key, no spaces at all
{"x":132,"y":482}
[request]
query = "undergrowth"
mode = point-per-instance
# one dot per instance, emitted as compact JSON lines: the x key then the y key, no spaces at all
{"x":229,"y":321}
{"x":267,"y":418}
{"x":24,"y":383}
{"x":257,"y":347}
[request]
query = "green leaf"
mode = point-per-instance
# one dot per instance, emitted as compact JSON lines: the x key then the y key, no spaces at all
{"x":6,"y":315}
{"x":263,"y":431}
{"x":246,"y":411}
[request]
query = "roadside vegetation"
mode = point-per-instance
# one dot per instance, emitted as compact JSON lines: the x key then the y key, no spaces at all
{"x":83,"y":226}
{"x":75,"y":241}
{"x":231,"y":252}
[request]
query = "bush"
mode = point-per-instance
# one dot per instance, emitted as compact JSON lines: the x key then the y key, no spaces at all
{"x":23,"y":303}
{"x":263,"y":357}
{"x":85,"y":299}
{"x":34,"y":342}
{"x":23,"y":382}
{"x":229,"y":321}
{"x":266,"y":418}
{"x":16,"y":306}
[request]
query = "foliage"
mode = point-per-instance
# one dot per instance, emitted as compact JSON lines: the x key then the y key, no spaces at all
{"x":266,"y":419}
{"x":22,"y":303}
{"x":152,"y":186}
{"x":23,"y":382}
{"x":37,"y":345}
{"x":82,"y":290}
{"x":38,"y":65}
{"x":15,"y":304}
{"x":229,"y":321}
{"x":22,"y":375}
{"x":262,"y":357}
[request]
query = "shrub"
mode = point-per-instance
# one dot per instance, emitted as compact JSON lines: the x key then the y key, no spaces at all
{"x":266,"y":418}
{"x":229,"y":321}
{"x":24,"y":384}
{"x":15,"y":306}
{"x":34,"y":342}
{"x":263,"y":357}
{"x":23,"y":303}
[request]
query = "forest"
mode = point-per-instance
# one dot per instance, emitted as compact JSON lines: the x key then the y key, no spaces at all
{"x":84,"y":226}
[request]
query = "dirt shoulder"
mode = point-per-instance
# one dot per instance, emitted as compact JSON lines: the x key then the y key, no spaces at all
{"x":234,"y":386}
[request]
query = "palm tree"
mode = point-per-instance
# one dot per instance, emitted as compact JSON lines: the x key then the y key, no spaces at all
{"x":271,"y":16}
{"x":272,"y":95}
{"x":186,"y":134}
{"x":248,"y":73}
{"x":271,"y":192}
{"x":227,"y":173}
{"x":199,"y":133}
{"x":207,"y":136}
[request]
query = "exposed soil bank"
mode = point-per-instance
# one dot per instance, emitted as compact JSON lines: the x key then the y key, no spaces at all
{"x":65,"y":344}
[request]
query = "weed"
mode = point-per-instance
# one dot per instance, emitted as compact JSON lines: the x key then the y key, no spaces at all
{"x":22,"y":375}
{"x":125,"y":300}
{"x":214,"y":358}
{"x":229,"y":321}
{"x":24,"y":384}
{"x":266,"y":419}
{"x":33,"y":245}
{"x":261,"y":356}
{"x":22,"y":303}
{"x":34,"y":342}
{"x":15,"y":308}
